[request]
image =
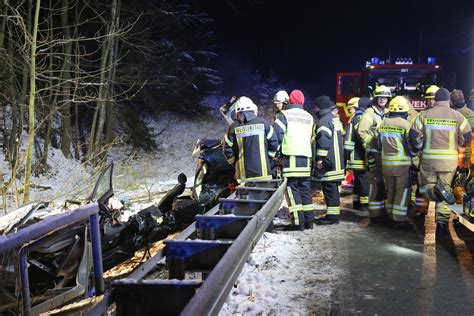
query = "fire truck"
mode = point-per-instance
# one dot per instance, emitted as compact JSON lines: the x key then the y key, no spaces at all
{"x":402,"y":77}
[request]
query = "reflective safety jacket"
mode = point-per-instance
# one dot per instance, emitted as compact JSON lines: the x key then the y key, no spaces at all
{"x":394,"y":145}
{"x":439,"y":133}
{"x":353,"y":146}
{"x":294,"y":130}
{"x":330,"y":151}
{"x":250,"y":146}
{"x":369,"y":123}
{"x":469,"y":115}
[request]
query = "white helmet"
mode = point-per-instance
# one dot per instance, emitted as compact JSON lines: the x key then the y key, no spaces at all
{"x":245,"y":104}
{"x":281,"y":96}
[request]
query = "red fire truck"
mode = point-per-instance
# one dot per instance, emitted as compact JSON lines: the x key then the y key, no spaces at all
{"x":402,"y":77}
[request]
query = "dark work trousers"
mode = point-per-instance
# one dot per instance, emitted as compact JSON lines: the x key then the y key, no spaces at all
{"x":300,"y":203}
{"x":361,"y":189}
{"x":331,"y":196}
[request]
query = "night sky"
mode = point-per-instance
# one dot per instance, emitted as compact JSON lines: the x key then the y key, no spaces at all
{"x":306,"y":42}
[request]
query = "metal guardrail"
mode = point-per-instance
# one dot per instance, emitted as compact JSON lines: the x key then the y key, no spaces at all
{"x":223,"y":239}
{"x":39,"y":233}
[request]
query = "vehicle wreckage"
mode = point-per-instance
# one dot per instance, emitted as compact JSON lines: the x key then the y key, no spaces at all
{"x":58,"y":268}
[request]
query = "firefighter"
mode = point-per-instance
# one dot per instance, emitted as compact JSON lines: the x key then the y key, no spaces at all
{"x":369,"y":123}
{"x":329,"y":157}
{"x":294,"y":128}
{"x":438,"y":133}
{"x":250,"y":143}
{"x":421,"y":203}
{"x":430,"y":95}
{"x":281,"y":99}
{"x":458,"y":103}
{"x":396,"y":161}
{"x":355,"y":154}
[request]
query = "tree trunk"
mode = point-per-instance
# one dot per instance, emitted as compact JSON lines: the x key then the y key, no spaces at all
{"x":113,"y":68}
{"x":97,"y":135}
{"x":4,"y":22}
{"x":51,"y":105}
{"x":66,"y":96}
{"x":31,"y":106}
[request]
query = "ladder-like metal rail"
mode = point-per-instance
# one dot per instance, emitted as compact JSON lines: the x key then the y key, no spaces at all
{"x":217,"y":245}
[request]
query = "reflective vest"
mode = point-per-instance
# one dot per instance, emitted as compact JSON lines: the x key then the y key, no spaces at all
{"x":298,"y":132}
{"x":393,"y":140}
{"x":294,"y":128}
{"x":439,"y":132}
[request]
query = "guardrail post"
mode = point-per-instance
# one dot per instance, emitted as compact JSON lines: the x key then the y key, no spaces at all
{"x":24,"y":282}
{"x":97,"y":254}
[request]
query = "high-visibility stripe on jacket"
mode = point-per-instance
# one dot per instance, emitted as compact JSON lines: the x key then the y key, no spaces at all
{"x":296,"y":166}
{"x":353,"y":145}
{"x":467,"y":155}
{"x":368,"y":125}
{"x":393,"y":142}
{"x":328,"y":138}
{"x":294,"y":127}
{"x":438,"y":133}
{"x":250,"y":146}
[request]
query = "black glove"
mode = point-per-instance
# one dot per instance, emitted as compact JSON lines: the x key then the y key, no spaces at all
{"x":371,"y":163}
{"x":413,"y":175}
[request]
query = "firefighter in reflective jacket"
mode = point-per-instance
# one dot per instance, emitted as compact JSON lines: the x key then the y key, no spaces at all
{"x":329,"y":157}
{"x":438,"y":133}
{"x":355,"y":155}
{"x":369,"y":123}
{"x":421,"y":204}
{"x":459,"y":104}
{"x":396,"y":161}
{"x":250,"y":143}
{"x":294,"y":128}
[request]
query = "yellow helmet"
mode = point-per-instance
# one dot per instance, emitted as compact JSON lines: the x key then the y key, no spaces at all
{"x":382,"y":91}
{"x":431,"y":91}
{"x":354,"y":102}
{"x":399,"y":104}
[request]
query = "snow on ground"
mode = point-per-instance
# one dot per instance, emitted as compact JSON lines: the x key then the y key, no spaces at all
{"x":289,"y":273}
{"x":66,"y":179}
{"x":158,"y":171}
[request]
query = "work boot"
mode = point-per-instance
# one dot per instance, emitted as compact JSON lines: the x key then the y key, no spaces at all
{"x":364,"y":207}
{"x":308,"y":225}
{"x":328,"y":220}
{"x":356,"y":205}
{"x":294,"y":227}
{"x":402,"y":226}
{"x":442,"y":229}
{"x":419,"y":218}
{"x":444,"y":193}
{"x":380,"y":220}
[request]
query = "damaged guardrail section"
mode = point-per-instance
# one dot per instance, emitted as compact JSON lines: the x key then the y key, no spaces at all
{"x":37,"y":234}
{"x":223,"y":239}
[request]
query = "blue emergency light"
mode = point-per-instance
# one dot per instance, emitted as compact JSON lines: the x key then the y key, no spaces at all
{"x":431,"y":60}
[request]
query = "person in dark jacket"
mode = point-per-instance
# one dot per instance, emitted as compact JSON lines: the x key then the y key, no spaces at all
{"x":355,"y":156}
{"x":294,"y":128}
{"x":329,"y":157}
{"x":250,"y":143}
